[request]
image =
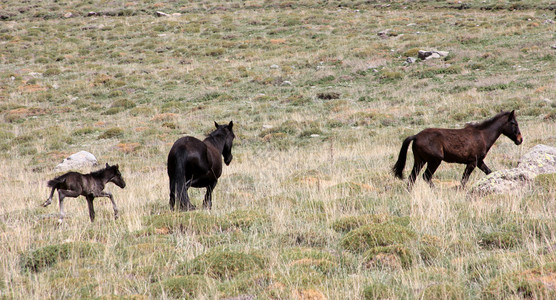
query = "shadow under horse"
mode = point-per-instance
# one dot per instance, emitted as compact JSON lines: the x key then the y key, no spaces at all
{"x":74,"y":184}
{"x":198,"y":164}
{"x":468,"y":145}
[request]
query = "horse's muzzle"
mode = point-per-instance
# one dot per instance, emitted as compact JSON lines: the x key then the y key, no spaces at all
{"x":518,"y":139}
{"x":228,"y":160}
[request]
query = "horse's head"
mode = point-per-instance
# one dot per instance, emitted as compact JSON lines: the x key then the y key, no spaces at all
{"x":511,"y":129}
{"x":228,"y":133}
{"x":115,"y":175}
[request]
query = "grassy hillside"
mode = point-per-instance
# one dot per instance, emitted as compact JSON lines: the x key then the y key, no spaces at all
{"x":321,"y":97}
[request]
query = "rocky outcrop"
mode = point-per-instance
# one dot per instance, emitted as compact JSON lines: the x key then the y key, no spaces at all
{"x":81,"y":159}
{"x":541,"y":159}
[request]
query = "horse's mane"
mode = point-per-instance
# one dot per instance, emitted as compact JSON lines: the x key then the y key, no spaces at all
{"x":488,"y":122}
{"x":99,"y":173}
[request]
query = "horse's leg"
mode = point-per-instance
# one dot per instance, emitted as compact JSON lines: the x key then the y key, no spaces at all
{"x":90,"y":199}
{"x":49,"y":200}
{"x":172,"y":193}
{"x":484,"y":167}
{"x":185,"y":203}
{"x":468,"y":170}
{"x":417,"y":166}
{"x":109,"y":195}
{"x":61,"y":195}
{"x":207,"y":203}
{"x":431,"y":168}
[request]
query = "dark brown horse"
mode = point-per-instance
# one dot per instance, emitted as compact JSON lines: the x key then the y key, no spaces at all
{"x":468,"y":146}
{"x":74,"y":184}
{"x":198,"y":164}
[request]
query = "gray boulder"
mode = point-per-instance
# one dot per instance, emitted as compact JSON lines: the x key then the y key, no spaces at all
{"x":541,"y":159}
{"x":81,"y":159}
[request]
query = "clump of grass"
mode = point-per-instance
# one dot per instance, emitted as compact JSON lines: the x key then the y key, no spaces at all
{"x":185,"y":287}
{"x":389,"y":256}
{"x":443,"y":291}
{"x":38,"y":259}
{"x":380,"y":290}
{"x":532,"y":284}
{"x":225,"y":263}
{"x":110,"y":133}
{"x":499,"y":240}
{"x":307,"y":258}
{"x":245,"y":219}
{"x":123,"y":103}
{"x":198,"y":222}
{"x":348,"y":223}
{"x":375,"y":235}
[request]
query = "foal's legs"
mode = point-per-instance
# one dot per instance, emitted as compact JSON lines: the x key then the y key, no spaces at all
{"x":63,"y":194}
{"x":468,"y":170}
{"x":484,"y":167}
{"x":431,"y":168}
{"x":109,"y":195}
{"x":49,"y":200}
{"x":90,"y":199}
{"x":207,"y":203}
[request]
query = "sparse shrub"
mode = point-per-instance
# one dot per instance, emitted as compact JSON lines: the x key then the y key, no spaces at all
{"x":375,"y":235}
{"x":37,"y":260}
{"x":413,"y":52}
{"x":389,"y":75}
{"x":83,"y":131}
{"x":225,"y":263}
{"x":114,"y":132}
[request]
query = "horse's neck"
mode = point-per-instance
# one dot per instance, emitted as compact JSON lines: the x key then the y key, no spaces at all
{"x":493,"y":132}
{"x":219,"y":145}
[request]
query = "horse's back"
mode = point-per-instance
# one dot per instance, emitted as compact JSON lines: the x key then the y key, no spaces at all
{"x":191,"y":154}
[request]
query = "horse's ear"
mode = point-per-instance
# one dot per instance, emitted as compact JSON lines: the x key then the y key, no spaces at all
{"x":107,"y":165}
{"x":216,"y":124}
{"x":512,"y":114}
{"x":231,"y":125}
{"x":117,"y":166}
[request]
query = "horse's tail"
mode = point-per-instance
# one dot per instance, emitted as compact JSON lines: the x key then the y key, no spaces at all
{"x":176,"y":173}
{"x":56,"y":182}
{"x":400,"y":164}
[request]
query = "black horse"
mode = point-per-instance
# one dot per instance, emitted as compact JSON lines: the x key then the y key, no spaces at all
{"x":468,"y":146}
{"x":198,"y":164}
{"x":74,"y":184}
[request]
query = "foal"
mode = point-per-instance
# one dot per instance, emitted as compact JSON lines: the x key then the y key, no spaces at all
{"x":468,"y":146}
{"x":74,"y":184}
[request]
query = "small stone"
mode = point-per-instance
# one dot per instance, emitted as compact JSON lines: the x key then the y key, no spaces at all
{"x":433,"y":55}
{"x":286,"y":83}
{"x":91,"y":13}
{"x":274,"y":67}
{"x":314,"y":135}
{"x":162,"y":14}
{"x":411,"y":60}
{"x":265,"y":126}
{"x":68,"y":15}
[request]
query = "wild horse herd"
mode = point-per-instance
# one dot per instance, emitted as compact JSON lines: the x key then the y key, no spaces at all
{"x":198,"y":164}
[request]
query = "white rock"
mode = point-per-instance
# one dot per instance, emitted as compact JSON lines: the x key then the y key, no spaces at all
{"x":81,"y":159}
